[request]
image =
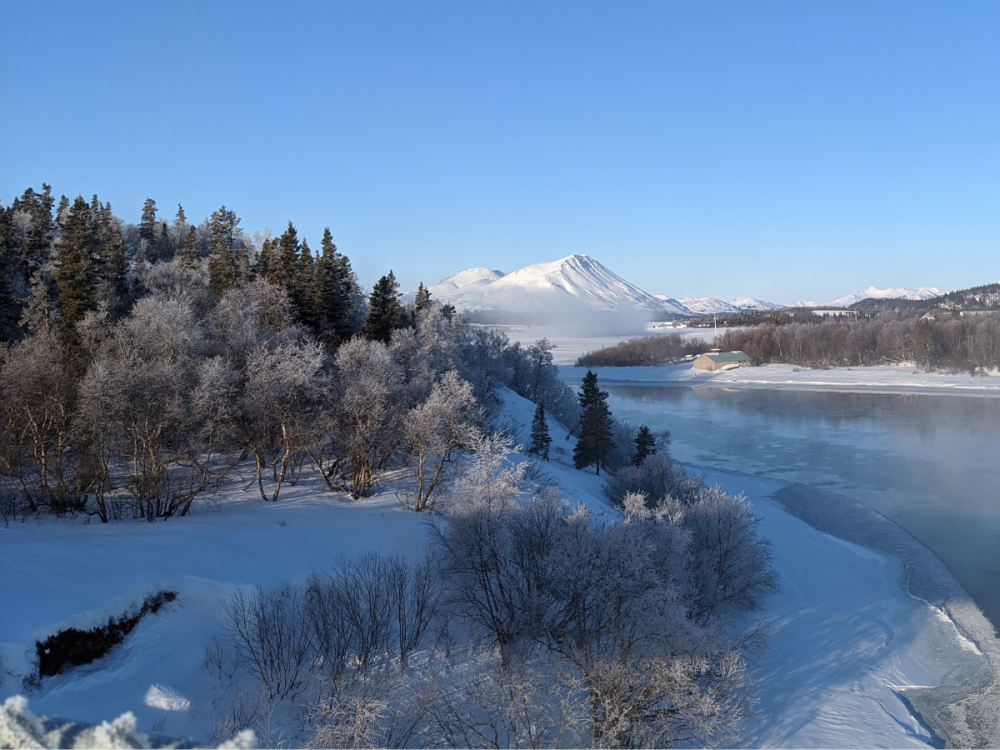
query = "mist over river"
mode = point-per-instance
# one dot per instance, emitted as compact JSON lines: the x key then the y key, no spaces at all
{"x":930,"y":463}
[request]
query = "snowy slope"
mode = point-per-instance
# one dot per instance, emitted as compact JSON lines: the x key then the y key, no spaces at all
{"x":846,"y":639}
{"x":753,"y":304}
{"x":707,"y":305}
{"x":450,"y":285}
{"x":567,"y":284}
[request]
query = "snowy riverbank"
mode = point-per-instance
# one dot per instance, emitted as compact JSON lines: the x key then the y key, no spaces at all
{"x":899,"y":379}
{"x":849,"y":646}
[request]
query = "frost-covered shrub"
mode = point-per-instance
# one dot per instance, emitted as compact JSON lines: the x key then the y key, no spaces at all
{"x":656,"y":478}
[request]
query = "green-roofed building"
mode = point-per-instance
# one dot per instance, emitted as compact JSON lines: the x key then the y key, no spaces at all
{"x":716,"y":360}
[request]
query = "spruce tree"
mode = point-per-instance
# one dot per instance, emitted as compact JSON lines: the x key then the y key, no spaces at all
{"x":423,"y":297}
{"x":302,"y":287}
{"x":149,"y":229}
{"x":645,"y":446}
{"x":385,"y":310}
{"x":37,"y":247}
{"x":288,"y":259}
{"x":224,"y":267}
{"x":113,"y":262}
{"x":74,"y":279}
{"x":334,"y":294}
{"x":10,"y":275}
{"x":191,"y":248}
{"x":540,"y":440}
{"x":595,"y":439}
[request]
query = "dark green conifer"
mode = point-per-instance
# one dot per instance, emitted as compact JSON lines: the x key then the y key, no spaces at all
{"x":74,"y":279}
{"x":37,"y":247}
{"x":149,"y":229}
{"x":645,"y":446}
{"x":224,"y":266}
{"x":423,"y":298}
{"x":334,"y":293}
{"x":289,"y":252}
{"x":594,"y":441}
{"x":302,"y":287}
{"x":191,"y":248}
{"x":540,"y":440}
{"x":385,"y":310}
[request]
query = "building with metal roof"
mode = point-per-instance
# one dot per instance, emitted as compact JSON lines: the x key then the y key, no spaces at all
{"x":716,"y":360}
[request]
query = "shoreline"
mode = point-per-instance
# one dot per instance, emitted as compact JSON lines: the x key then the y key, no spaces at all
{"x":962,"y":711}
{"x":882,"y":379}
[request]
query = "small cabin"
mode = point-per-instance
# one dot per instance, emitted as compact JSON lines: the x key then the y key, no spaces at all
{"x":717,"y":360}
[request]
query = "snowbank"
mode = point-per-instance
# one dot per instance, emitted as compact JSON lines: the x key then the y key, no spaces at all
{"x":882,"y":379}
{"x":849,"y":646}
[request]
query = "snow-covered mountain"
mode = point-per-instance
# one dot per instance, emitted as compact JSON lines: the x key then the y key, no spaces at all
{"x":921,"y":293}
{"x":710,"y":305}
{"x":571,"y":285}
{"x":707,"y":306}
{"x":748,"y":304}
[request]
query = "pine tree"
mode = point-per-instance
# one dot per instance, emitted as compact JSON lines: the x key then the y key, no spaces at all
{"x":224,"y":267}
{"x":540,"y":440}
{"x":191,"y":248}
{"x":595,"y":439}
{"x":645,"y":446}
{"x":385,"y":310}
{"x":74,"y":278}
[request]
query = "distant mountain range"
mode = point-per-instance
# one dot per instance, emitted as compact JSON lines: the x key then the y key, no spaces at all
{"x":922,"y":293}
{"x":578,"y":285}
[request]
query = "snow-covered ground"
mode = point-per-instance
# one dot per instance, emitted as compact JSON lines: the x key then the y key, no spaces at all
{"x":881,"y":379}
{"x":846,"y":637}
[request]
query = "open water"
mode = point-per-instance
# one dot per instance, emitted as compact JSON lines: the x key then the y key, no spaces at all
{"x":930,"y":463}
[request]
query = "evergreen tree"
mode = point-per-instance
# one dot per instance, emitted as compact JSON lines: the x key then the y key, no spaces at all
{"x":191,"y":248}
{"x":595,"y":439}
{"x":181,"y":216}
{"x":423,"y":297}
{"x":112,"y":260}
{"x":37,"y":247}
{"x":10,"y":275}
{"x":224,"y":265}
{"x":645,"y":446}
{"x":165,"y":247}
{"x":334,"y":293}
{"x":149,"y":229}
{"x":540,"y":440}
{"x":302,"y":287}
{"x":385,"y":310}
{"x":288,"y":259}
{"x":74,"y":279}
{"x":267,"y":260}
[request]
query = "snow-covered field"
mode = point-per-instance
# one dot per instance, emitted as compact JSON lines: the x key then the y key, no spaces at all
{"x":881,"y":379}
{"x":846,"y":637}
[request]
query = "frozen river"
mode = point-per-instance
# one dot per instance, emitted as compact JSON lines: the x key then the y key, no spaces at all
{"x":930,"y":463}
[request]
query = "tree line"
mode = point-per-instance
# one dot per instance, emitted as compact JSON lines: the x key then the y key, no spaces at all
{"x":944,"y":339}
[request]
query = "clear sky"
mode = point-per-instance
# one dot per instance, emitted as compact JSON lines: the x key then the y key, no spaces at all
{"x":772,"y":149}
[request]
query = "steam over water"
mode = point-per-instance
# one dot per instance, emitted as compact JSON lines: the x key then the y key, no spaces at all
{"x":930,"y":463}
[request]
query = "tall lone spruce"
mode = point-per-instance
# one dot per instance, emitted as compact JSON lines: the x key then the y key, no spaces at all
{"x":595,"y":440}
{"x":540,"y":440}
{"x":334,"y":293}
{"x":385,"y":313}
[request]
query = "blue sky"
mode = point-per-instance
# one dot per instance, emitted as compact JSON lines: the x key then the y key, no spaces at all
{"x":773,"y":149}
